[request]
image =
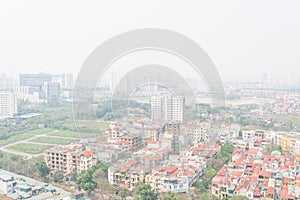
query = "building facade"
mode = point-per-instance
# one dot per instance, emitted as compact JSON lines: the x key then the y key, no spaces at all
{"x":167,"y":108}
{"x":8,"y":104}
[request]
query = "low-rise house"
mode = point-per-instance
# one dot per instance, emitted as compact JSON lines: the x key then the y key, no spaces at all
{"x":258,"y":176}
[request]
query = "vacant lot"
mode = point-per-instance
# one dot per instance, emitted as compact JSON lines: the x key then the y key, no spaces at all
{"x":29,"y":148}
{"x":72,"y":134}
{"x":14,"y":138}
{"x":39,"y":131}
{"x":52,"y":140}
{"x":91,"y":126}
{"x":295,"y":119}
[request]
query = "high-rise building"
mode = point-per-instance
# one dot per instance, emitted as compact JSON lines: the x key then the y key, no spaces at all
{"x":167,"y":108}
{"x":8,"y":104}
{"x":35,"y":80}
{"x":157,"y":108}
{"x":52,"y":92}
{"x":6,"y":83}
{"x":65,"y":80}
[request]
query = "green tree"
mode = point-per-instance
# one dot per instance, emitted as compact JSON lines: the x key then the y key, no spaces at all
{"x":87,"y":179}
{"x":209,"y":173}
{"x":226,"y":152}
{"x":86,"y":182}
{"x":144,"y":192}
{"x":123,"y":193}
{"x":58,"y":177}
{"x":43,"y":169}
{"x":170,"y":196}
{"x":201,"y":186}
{"x":240,"y":134}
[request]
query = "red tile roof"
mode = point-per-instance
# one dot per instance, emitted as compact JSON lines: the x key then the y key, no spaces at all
{"x":271,"y":190}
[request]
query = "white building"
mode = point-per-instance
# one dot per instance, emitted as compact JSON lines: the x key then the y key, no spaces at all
{"x":65,"y":80}
{"x":196,"y":131}
{"x":7,"y":184}
{"x":167,"y":108}
{"x":8,"y":104}
{"x":23,"y":93}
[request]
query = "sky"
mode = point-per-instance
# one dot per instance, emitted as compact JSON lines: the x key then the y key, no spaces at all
{"x":243,"y":38}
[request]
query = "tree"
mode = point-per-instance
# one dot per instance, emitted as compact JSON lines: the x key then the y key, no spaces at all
{"x":240,"y":134}
{"x":43,"y":169}
{"x":102,"y":182}
{"x":226,"y":151}
{"x":58,"y":177}
{"x":170,"y":196}
{"x":86,"y":182}
{"x":201,"y":186}
{"x":123,"y":193}
{"x":87,"y":179}
{"x":209,"y":173}
{"x":144,"y":192}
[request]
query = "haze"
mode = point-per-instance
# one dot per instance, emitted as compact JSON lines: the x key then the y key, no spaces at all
{"x":244,"y":39}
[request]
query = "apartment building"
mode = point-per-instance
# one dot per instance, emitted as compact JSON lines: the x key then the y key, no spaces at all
{"x":196,"y":132}
{"x":8,"y":104}
{"x":167,"y":108}
{"x":70,"y":159}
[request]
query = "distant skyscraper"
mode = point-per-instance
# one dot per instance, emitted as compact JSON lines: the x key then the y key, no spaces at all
{"x":52,"y":92}
{"x":65,"y":80}
{"x":8,"y":104}
{"x":6,"y":83}
{"x":167,"y":108}
{"x":114,"y":79}
{"x":35,"y":80}
{"x":157,"y":108}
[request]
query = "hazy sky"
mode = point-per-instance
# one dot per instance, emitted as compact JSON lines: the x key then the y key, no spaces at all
{"x":244,"y":38}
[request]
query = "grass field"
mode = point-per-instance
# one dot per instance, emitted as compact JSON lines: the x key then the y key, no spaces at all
{"x":14,"y":138}
{"x":102,"y":125}
{"x":92,"y":125}
{"x":72,"y":134}
{"x":52,"y":140}
{"x":29,"y":148}
{"x":39,"y":131}
{"x":295,"y":119}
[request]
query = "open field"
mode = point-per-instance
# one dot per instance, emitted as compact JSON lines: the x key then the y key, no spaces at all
{"x":91,"y":126}
{"x":73,"y":134}
{"x":53,"y":140}
{"x":14,"y":138}
{"x":295,"y":119}
{"x":29,"y":148}
{"x":83,"y":126}
{"x":39,"y":131}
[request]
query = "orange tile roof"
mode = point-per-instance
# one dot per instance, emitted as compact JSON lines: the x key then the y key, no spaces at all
{"x":87,"y":153}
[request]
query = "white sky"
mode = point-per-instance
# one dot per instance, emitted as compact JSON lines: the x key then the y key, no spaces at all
{"x":243,"y":38}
